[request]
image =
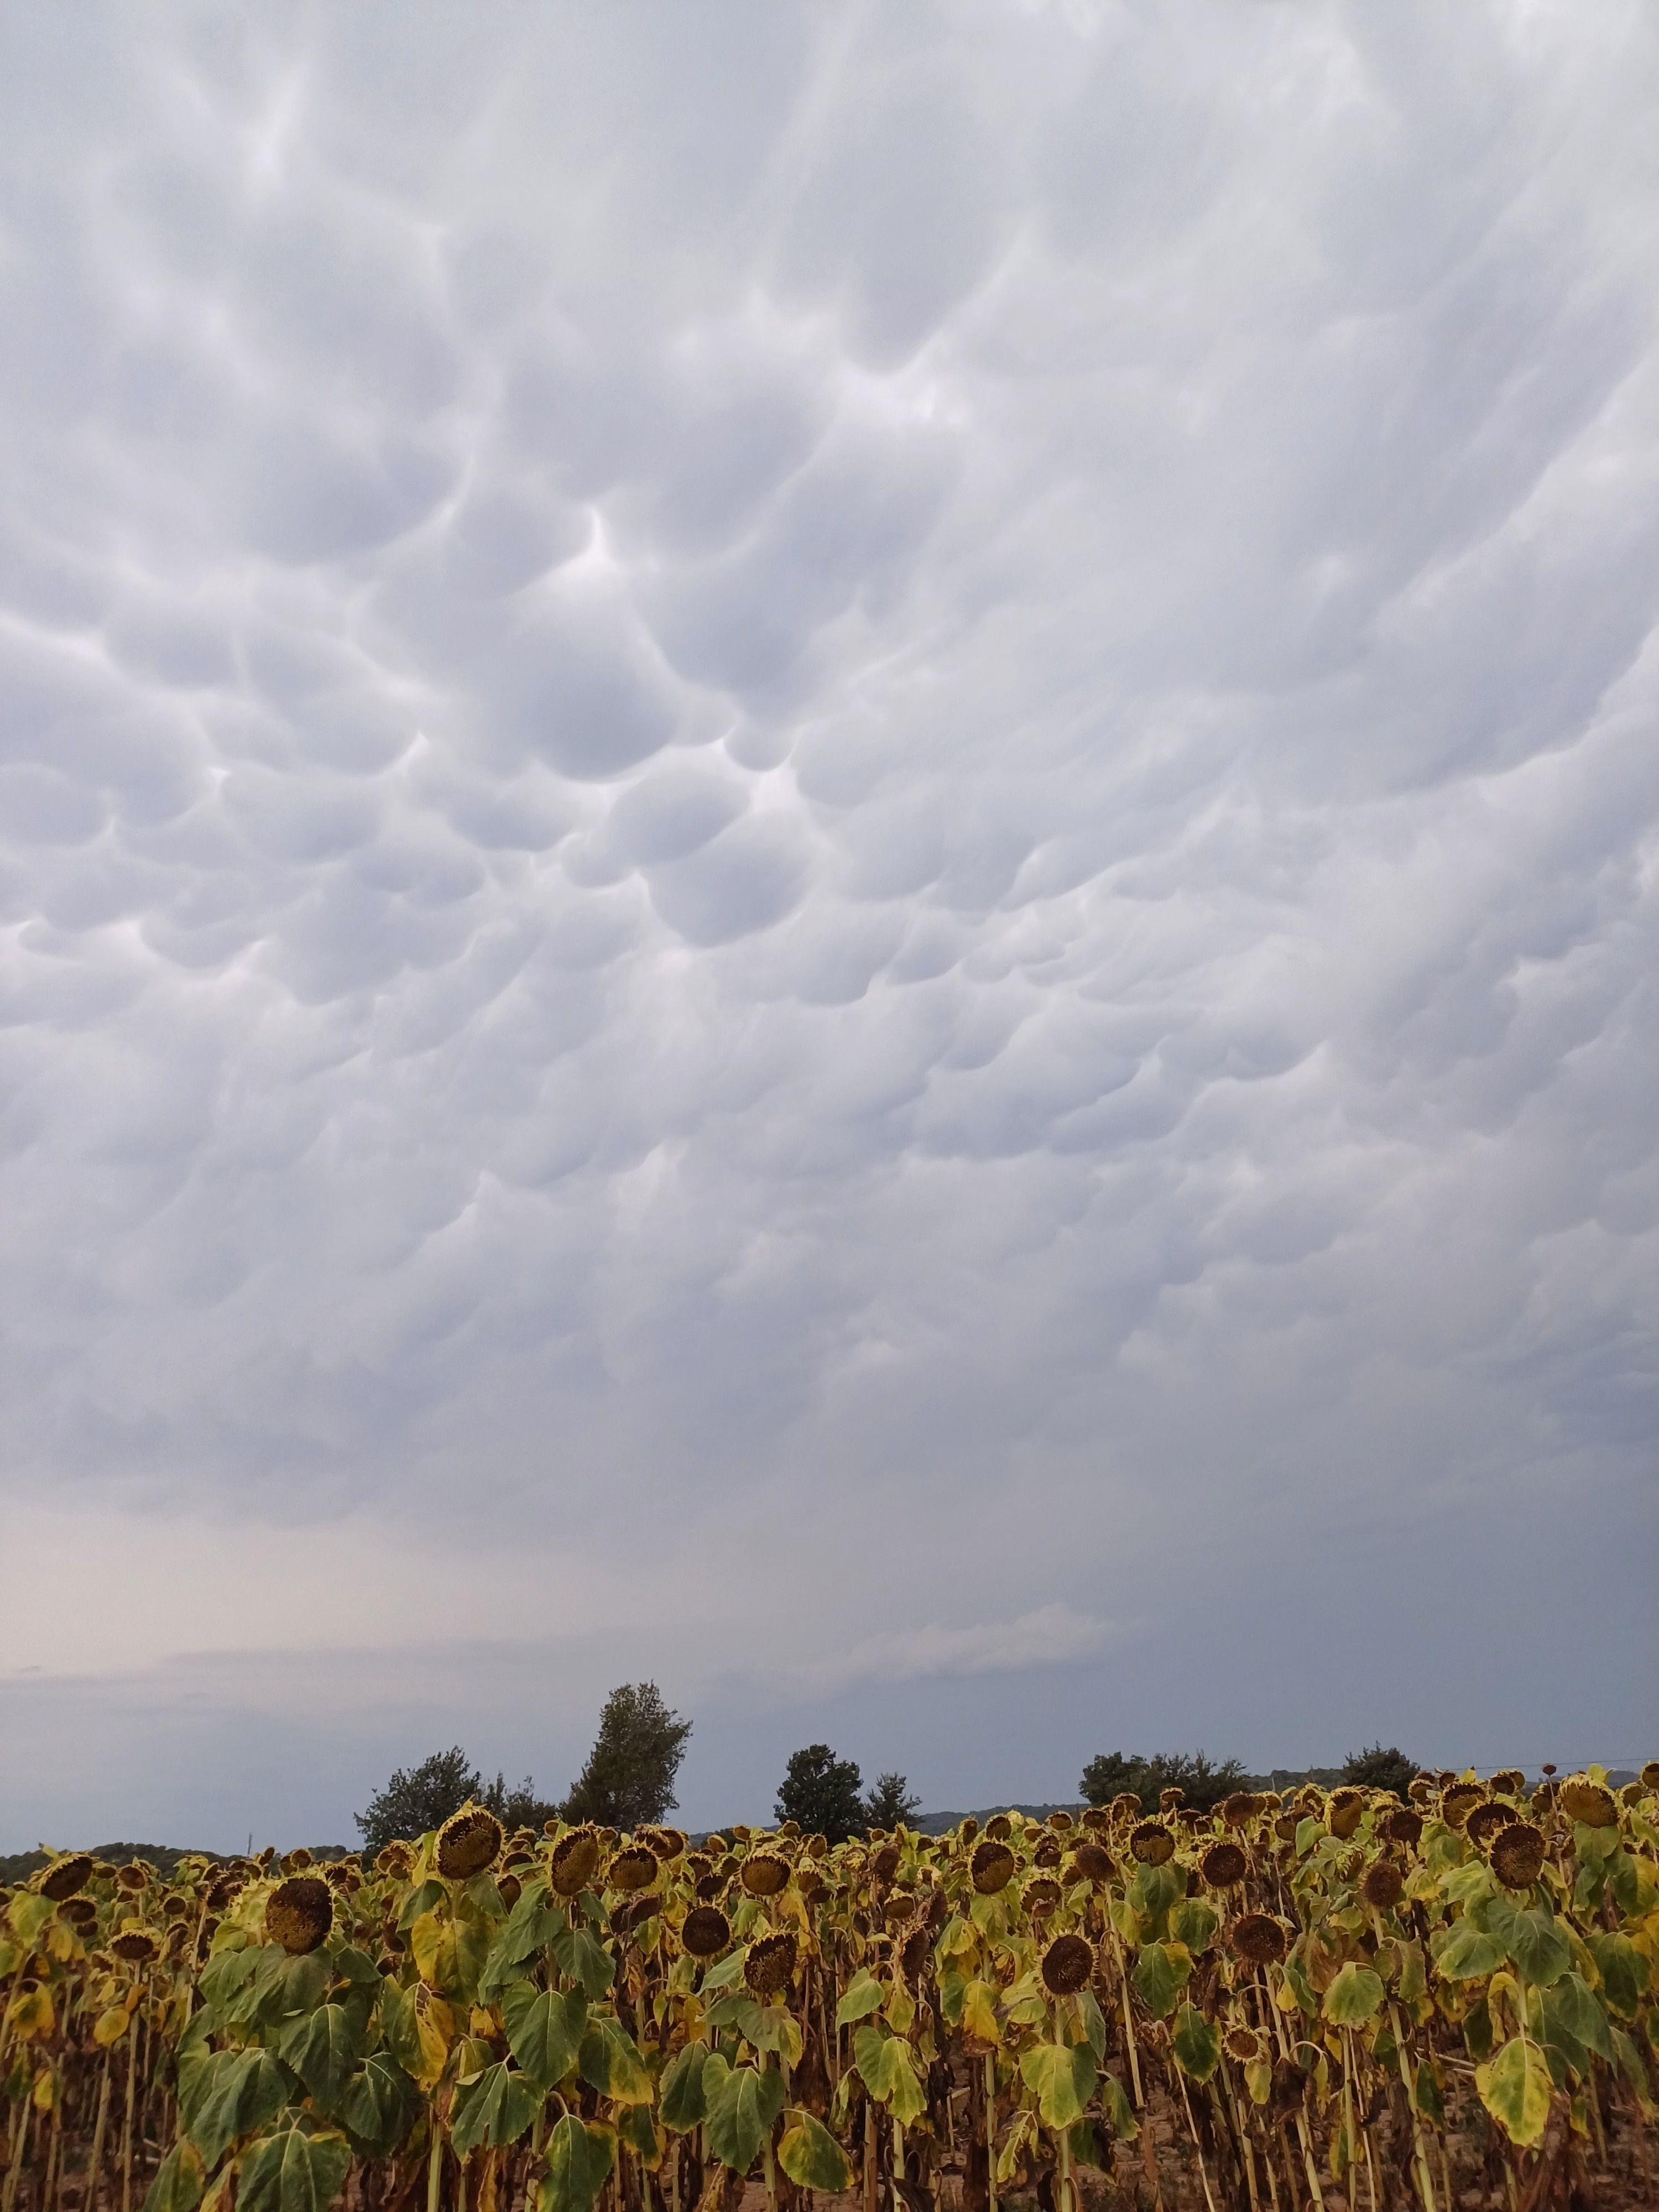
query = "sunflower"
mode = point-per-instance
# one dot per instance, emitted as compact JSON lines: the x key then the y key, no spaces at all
{"x":1224,"y":1866}
{"x":63,"y":1877}
{"x":1402,"y":1824}
{"x":468,"y":1842}
{"x":1151,"y":1844}
{"x":633,"y":1868}
{"x":135,"y":1945}
{"x":1588,"y":1804}
{"x":1258,"y":1939}
{"x":1067,"y":1966}
{"x":1383,"y":1886}
{"x":705,"y":1931}
{"x":1343,"y":1812}
{"x":1244,"y":2044}
{"x":992,"y":1866}
{"x":1517,"y":1853}
{"x":1458,"y":1800}
{"x":299,"y":1913}
{"x":573,"y":1862}
{"x":763,"y":1874}
{"x":1091,"y":1861}
{"x":1486,"y":1819}
{"x":769,"y":1964}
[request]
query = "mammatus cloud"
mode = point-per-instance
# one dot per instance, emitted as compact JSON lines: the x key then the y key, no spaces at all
{"x":840,"y":819}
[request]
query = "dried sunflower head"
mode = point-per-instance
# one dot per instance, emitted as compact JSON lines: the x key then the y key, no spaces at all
{"x":992,"y":1866}
{"x":468,"y":1842}
{"x":1284,"y":1828}
{"x":999,"y":1827}
{"x":1168,"y":1799}
{"x":65,"y":1876}
{"x":1041,"y":1896}
{"x":706,"y":1932}
{"x":1402,"y":1824}
{"x":1244,"y":2044}
{"x":1343,"y":1812}
{"x":1517,"y":1853}
{"x":764,"y":1873}
{"x":886,"y":1863}
{"x":393,"y":1859}
{"x":1060,"y":1818}
{"x":1383,"y":1886}
{"x":1068,"y":1967}
{"x":1649,"y":1776}
{"x":1151,"y":1844}
{"x":1126,"y":1806}
{"x":79,"y":1911}
{"x":1238,"y":1810}
{"x":297,"y":1860}
{"x":1223,"y":1865}
{"x":633,"y":1868}
{"x":1047,"y":1853}
{"x":1458,"y":1800}
{"x":573,"y":1862}
{"x":134,"y":1946}
{"x":1508,"y":1782}
{"x":769,"y":1964}
{"x":511,"y":1888}
{"x":299,"y":1913}
{"x":1258,"y":1939}
{"x":1091,"y":1861}
{"x":132,"y":1877}
{"x":1483,"y":1824}
{"x":1588,"y":1804}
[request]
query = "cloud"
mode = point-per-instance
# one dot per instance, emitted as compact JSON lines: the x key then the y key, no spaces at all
{"x":839,"y":815}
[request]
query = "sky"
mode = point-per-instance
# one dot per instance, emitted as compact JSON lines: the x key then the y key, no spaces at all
{"x":827,"y":869}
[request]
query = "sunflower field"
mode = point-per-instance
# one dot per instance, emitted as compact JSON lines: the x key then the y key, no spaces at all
{"x":1335,"y":2001}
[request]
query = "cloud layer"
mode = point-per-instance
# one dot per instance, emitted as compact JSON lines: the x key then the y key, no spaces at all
{"x":828,"y":850}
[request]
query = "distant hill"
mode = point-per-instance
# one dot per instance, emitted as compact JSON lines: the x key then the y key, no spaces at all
{"x":162,"y":1857}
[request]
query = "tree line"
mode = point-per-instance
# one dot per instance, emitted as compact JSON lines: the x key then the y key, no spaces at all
{"x":628,"y":1782}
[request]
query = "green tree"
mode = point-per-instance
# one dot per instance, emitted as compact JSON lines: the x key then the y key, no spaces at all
{"x":422,"y":1796}
{"x":1377,"y":1769}
{"x":821,"y":1792}
{"x":890,"y":1802}
{"x":1201,"y":1783}
{"x":628,"y":1778}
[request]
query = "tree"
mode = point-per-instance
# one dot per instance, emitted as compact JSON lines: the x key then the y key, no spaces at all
{"x":426,"y":1795}
{"x":889,"y":1803}
{"x":1201,"y":1783}
{"x":821,"y":1793}
{"x":1377,"y":1769}
{"x":628,"y":1779}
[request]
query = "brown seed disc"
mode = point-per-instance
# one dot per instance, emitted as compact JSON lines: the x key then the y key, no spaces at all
{"x":1257,"y":1938}
{"x":137,"y":1945}
{"x":1403,"y":1823}
{"x":706,"y":1931}
{"x":1383,"y":1886}
{"x":1517,"y":1853}
{"x":133,"y":1877}
{"x":512,"y":1890}
{"x":468,"y":1842}
{"x":769,"y":1964}
{"x":886,"y":1863}
{"x":574,"y":1861}
{"x":1223,"y":1865}
{"x":1242,"y":2044}
{"x":1486,"y":1819}
{"x":1458,"y":1801}
{"x":999,"y":1827}
{"x":1588,"y":1803}
{"x":1067,"y":1966}
{"x":763,"y":1874}
{"x":299,"y":1913}
{"x":1048,"y":1852}
{"x":1151,"y":1844}
{"x":1041,"y":1896}
{"x":992,"y":1866}
{"x":632,"y":1868}
{"x":63,"y":1877}
{"x":1345,"y":1812}
{"x":1091,"y":1861}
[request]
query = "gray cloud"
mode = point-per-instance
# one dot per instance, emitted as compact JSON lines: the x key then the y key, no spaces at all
{"x":841,"y":824}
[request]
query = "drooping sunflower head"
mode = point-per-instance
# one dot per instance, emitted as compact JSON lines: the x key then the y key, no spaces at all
{"x":1285,"y":1826}
{"x":1091,"y":1861}
{"x":297,"y":1860}
{"x":1649,"y":1776}
{"x":1588,"y":1804}
{"x":1381,"y":1886}
{"x":512,"y":1890}
{"x":999,"y":1827}
{"x":574,"y":1861}
{"x":1238,"y":1810}
{"x":770,"y":1965}
{"x":1060,"y":1818}
{"x":1458,"y":1800}
{"x":65,"y":1876}
{"x":1344,"y":1811}
{"x":992,"y":1866}
{"x":469,"y":1842}
{"x":1041,"y":1896}
{"x":886,"y":1863}
{"x":1126,"y":1806}
{"x":79,"y":1911}
{"x":1223,"y":1865}
{"x":132,"y":1877}
{"x":1152,"y":1843}
{"x":1048,"y":1852}
{"x":899,"y":1910}
{"x":706,"y":1932}
{"x":764,"y":1873}
{"x":393,"y":1859}
{"x":633,"y":1866}
{"x":1258,"y":1939}
{"x":1508,"y":1782}
{"x":669,"y":1844}
{"x":299,"y":1913}
{"x":1483,"y":1824}
{"x":1403,"y":1823}
{"x":1517,"y":1853}
{"x":134,"y":1945}
{"x":1068,"y":1967}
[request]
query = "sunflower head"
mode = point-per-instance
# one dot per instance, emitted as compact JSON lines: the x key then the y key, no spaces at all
{"x":297,"y":1860}
{"x":886,"y":1863}
{"x":1458,"y":1800}
{"x":1244,"y":2044}
{"x":1403,"y":1823}
{"x":1068,"y":1967}
{"x":1091,"y":1861}
{"x":1285,"y":1826}
{"x":1344,"y":1811}
{"x":1517,"y":1853}
{"x":1168,"y":1799}
{"x":1508,"y":1782}
{"x":1483,"y":1824}
{"x":1060,"y":1818}
{"x":1648,"y":1777}
{"x":299,"y":1913}
{"x":134,"y":1945}
{"x":969,"y":1830}
{"x":1151,"y":1844}
{"x":1224,"y":1866}
{"x":511,"y":1888}
{"x":706,"y":1932}
{"x":1041,"y":1896}
{"x":393,"y":1859}
{"x":63,"y":1877}
{"x":574,"y":1861}
{"x":79,"y":1911}
{"x":1126,"y":1805}
{"x":1240,"y":1809}
{"x":669,"y":1844}
{"x":770,"y":1965}
{"x":468,"y":1842}
{"x":634,"y":1868}
{"x":764,"y":1873}
{"x":992,"y":1866}
{"x":999,"y":1827}
{"x":1381,"y":1886}
{"x":1258,"y":1939}
{"x":132,"y":1877}
{"x":1588,"y":1804}
{"x":1048,"y":1852}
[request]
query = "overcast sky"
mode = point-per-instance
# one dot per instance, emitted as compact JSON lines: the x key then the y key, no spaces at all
{"x":828,"y":848}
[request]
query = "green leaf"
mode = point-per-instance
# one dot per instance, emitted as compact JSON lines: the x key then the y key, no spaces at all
{"x":1061,"y":2077}
{"x":1514,"y":2088}
{"x":1575,"y":2022}
{"x":544,"y":2030}
{"x":495,"y":2110}
{"x":398,"y":2028}
{"x":1464,"y":1952}
{"x":177,"y":2184}
{"x":577,"y":2166}
{"x":1161,"y":1974}
{"x":609,"y":2061}
{"x":725,"y":1972}
{"x":1354,"y":1996}
{"x":741,"y":2112}
{"x":1539,"y":1947}
{"x":1623,"y":1969}
{"x":681,"y":2105}
{"x":811,"y":2157}
{"x":1197,"y":2043}
{"x":583,"y":1960}
{"x":1117,"y":2108}
{"x":1094,"y":2027}
{"x":864,"y":1996}
{"x":378,"y":2106}
{"x":1194,"y":1923}
{"x":638,"y":2130}
{"x":323,"y":2048}
{"x":888,"y":2072}
{"x":293,"y":2171}
{"x":419,"y":1902}
{"x":236,"y":2091}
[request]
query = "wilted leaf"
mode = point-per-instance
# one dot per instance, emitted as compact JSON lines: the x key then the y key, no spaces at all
{"x":811,"y":2157}
{"x":1354,"y":1996}
{"x":1061,"y":2076}
{"x":577,"y":2166}
{"x":292,"y":2172}
{"x":864,"y":1995}
{"x":1514,"y":2088}
{"x":609,"y":2061}
{"x":177,"y":2184}
{"x":495,"y":2109}
{"x":741,"y":2111}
